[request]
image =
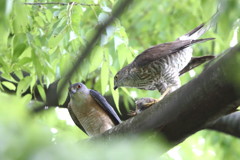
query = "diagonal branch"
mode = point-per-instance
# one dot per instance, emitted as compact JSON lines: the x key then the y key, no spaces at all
{"x":59,"y":3}
{"x":227,"y":124}
{"x":211,"y":95}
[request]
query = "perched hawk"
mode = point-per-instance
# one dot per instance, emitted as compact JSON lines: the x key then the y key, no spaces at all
{"x":90,"y":111}
{"x":159,"y":67}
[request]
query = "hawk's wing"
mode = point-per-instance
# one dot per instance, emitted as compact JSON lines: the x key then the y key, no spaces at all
{"x":162,"y":50}
{"x":106,"y":106}
{"x":74,"y":118}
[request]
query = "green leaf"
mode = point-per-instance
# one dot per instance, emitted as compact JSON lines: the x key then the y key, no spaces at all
{"x":8,"y":77}
{"x":24,"y":61}
{"x":19,"y":49}
{"x":58,"y":26}
{"x":117,"y":41}
{"x":49,"y":15}
{"x":21,"y":14}
{"x":23,"y":85}
{"x":39,"y":21}
{"x":90,"y":33}
{"x":104,"y":76}
{"x":122,"y":51}
{"x":33,"y":83}
{"x":115,"y":94}
{"x":27,"y":98}
{"x":104,"y":40}
{"x":41,"y":92}
{"x":62,"y":98}
{"x":96,"y":59}
{"x":9,"y":85}
{"x":19,"y":74}
{"x":42,"y":16}
{"x":76,"y":17}
{"x":123,"y":35}
{"x":84,"y":72}
{"x":54,"y":40}
{"x":9,"y":7}
{"x":130,"y":56}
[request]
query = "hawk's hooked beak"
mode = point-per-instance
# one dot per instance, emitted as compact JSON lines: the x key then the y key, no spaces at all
{"x":115,"y":87}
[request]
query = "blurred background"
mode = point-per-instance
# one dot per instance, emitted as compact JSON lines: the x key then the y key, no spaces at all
{"x":44,"y":41}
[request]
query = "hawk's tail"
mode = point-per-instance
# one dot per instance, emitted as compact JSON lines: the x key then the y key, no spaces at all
{"x":201,"y":40}
{"x":196,"y":61}
{"x":201,"y":29}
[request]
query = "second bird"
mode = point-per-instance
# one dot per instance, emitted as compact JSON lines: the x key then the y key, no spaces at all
{"x":90,"y":111}
{"x":159,"y":67}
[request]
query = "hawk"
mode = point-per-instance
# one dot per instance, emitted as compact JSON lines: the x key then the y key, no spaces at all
{"x":159,"y":67}
{"x":144,"y":103}
{"x":90,"y":111}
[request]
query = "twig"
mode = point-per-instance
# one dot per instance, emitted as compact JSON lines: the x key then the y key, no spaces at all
{"x":60,"y":3}
{"x":87,"y":50}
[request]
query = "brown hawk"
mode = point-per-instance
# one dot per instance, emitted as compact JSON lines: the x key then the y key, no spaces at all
{"x":90,"y":111}
{"x":159,"y":67}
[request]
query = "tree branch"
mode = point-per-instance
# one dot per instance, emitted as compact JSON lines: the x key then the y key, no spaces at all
{"x":211,"y":95}
{"x":227,"y":124}
{"x":60,"y":3}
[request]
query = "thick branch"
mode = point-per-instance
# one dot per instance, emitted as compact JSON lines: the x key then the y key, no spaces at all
{"x":227,"y":124}
{"x":211,"y":95}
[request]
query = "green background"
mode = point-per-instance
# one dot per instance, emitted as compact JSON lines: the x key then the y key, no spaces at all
{"x":45,"y":40}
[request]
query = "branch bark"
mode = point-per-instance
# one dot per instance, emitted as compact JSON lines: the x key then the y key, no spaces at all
{"x":227,"y":124}
{"x":211,"y":95}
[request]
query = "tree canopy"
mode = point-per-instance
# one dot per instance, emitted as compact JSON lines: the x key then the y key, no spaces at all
{"x":41,"y":43}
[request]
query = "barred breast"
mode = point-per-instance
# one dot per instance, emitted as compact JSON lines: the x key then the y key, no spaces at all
{"x":163,"y":72}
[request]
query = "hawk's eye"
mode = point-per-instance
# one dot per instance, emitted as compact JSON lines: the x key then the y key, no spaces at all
{"x":116,"y":77}
{"x":79,"y":86}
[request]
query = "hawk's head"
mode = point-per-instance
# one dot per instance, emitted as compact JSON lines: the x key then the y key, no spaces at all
{"x":123,"y":78}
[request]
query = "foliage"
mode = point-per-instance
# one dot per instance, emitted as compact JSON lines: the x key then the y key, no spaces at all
{"x":46,"y":40}
{"x":27,"y":137}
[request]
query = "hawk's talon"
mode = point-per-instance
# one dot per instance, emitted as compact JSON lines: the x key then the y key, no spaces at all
{"x":132,"y":113}
{"x":147,"y":105}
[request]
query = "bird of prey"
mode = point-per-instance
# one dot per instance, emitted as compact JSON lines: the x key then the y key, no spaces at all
{"x":90,"y":111}
{"x":159,"y":67}
{"x":144,"y":103}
